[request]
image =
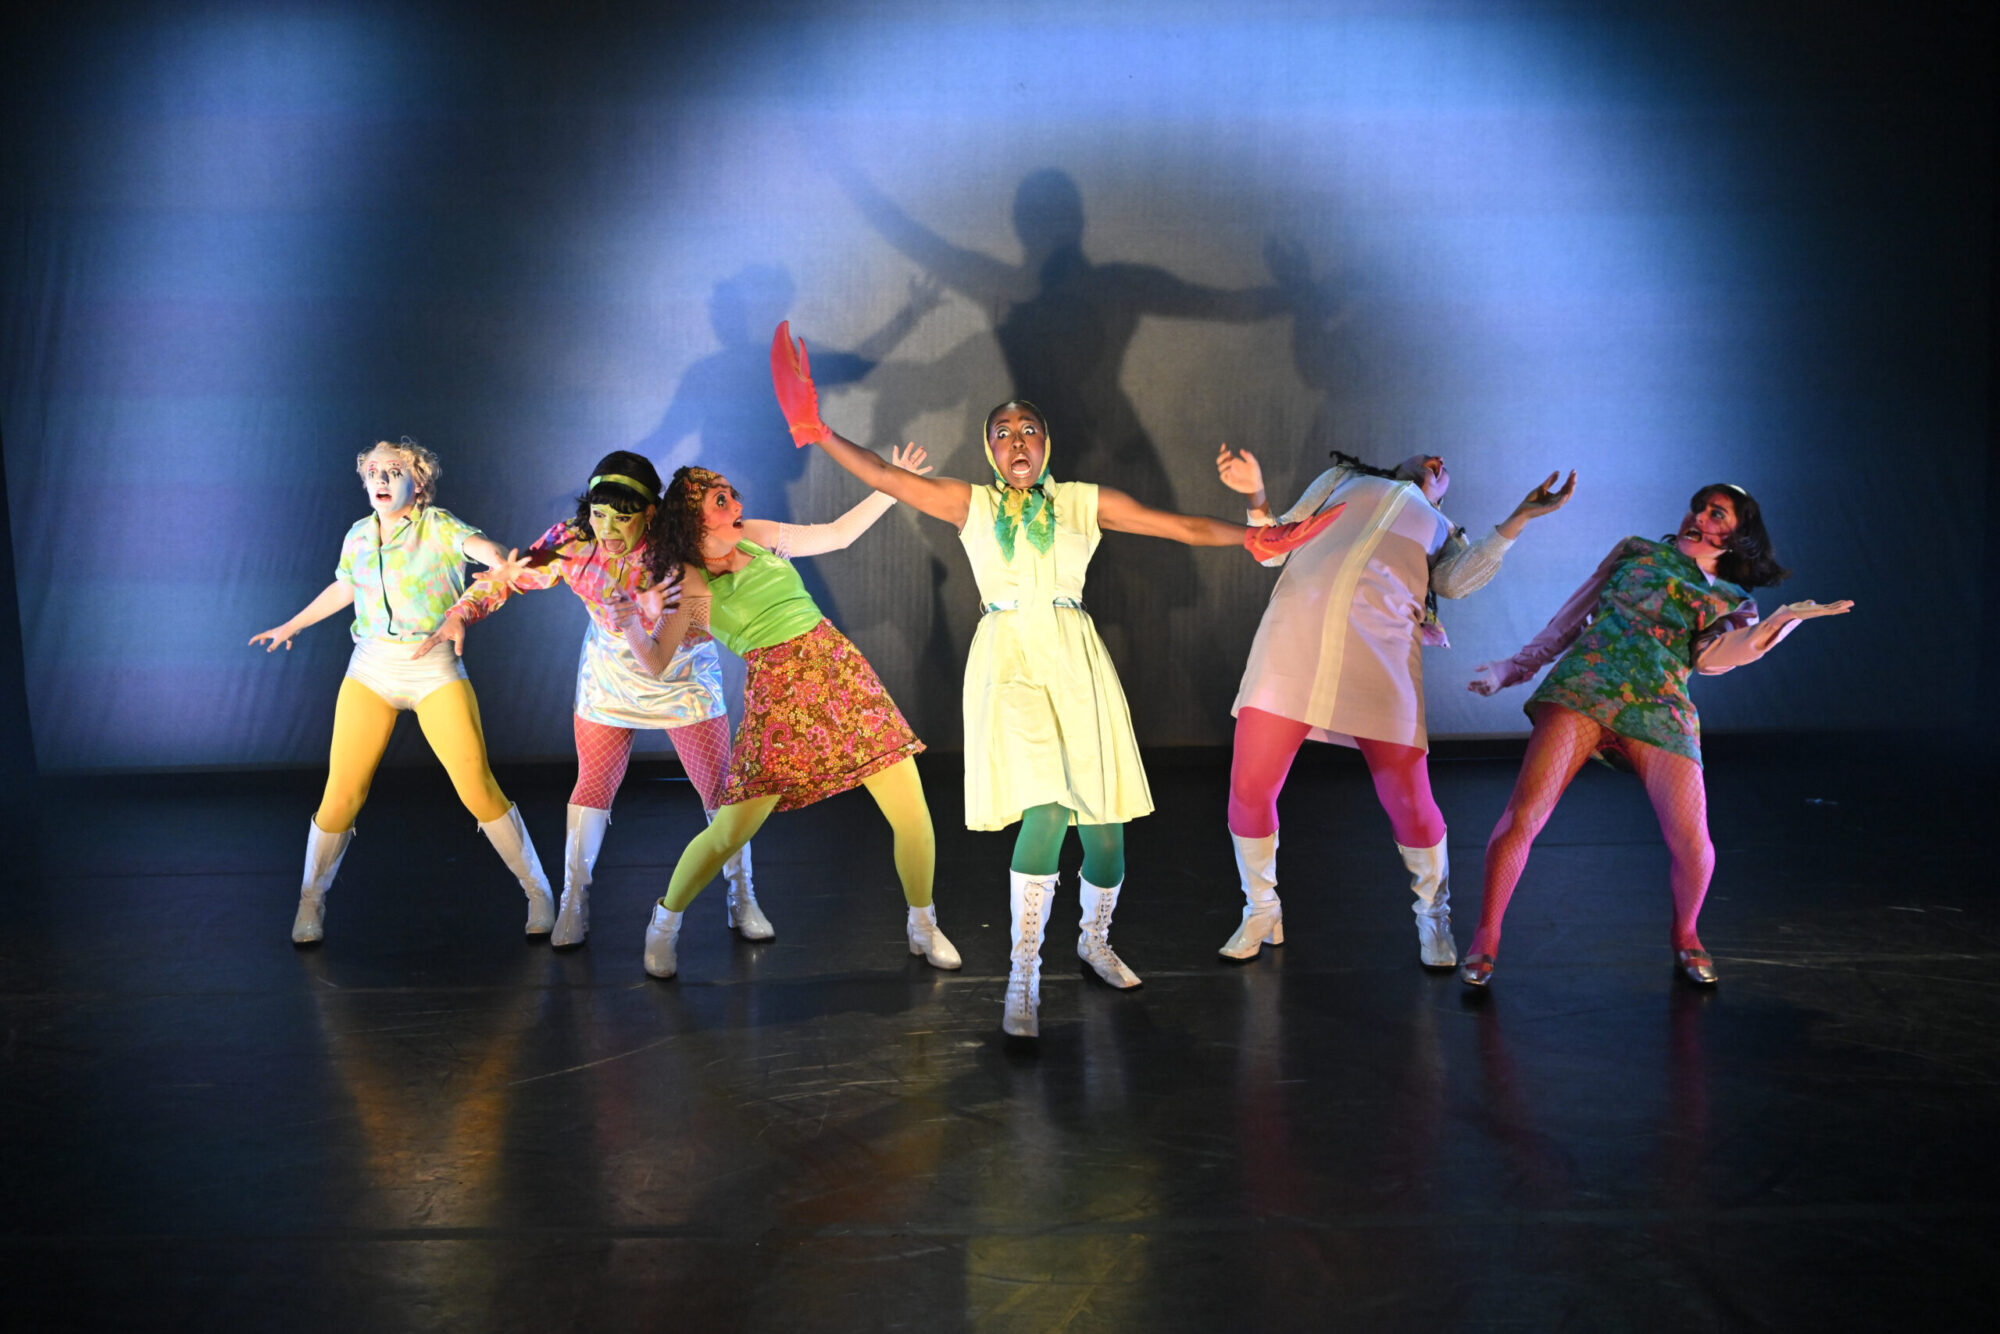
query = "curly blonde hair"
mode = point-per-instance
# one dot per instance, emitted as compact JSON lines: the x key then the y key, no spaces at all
{"x":423,"y":465}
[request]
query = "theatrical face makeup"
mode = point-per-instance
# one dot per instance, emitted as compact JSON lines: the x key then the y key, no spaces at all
{"x":616,"y":532}
{"x":390,"y":484}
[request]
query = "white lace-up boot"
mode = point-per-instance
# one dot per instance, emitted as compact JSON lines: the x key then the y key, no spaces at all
{"x":928,"y":941}
{"x":745,"y":917}
{"x":1263,"y":916}
{"x":1430,"y":879}
{"x":1029,"y":897}
{"x":1093,"y":943}
{"x":509,"y":837}
{"x":663,"y":935}
{"x":581,"y":841}
{"x":323,"y":854}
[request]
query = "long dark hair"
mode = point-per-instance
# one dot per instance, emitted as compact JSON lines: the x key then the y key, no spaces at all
{"x":626,"y":499}
{"x":1353,"y":464}
{"x":678,"y":525}
{"x":1747,"y":559}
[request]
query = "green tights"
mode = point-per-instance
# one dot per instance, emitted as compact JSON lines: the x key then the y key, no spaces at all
{"x":1039,"y":844}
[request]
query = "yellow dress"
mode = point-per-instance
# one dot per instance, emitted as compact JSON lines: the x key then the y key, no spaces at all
{"x":1045,"y":717}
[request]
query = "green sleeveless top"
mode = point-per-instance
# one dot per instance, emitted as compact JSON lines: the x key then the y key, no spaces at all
{"x":762,"y":604}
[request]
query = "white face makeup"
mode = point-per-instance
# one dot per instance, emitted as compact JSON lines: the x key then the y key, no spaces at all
{"x":619,"y":534}
{"x":391,"y":486}
{"x":1019,"y":445}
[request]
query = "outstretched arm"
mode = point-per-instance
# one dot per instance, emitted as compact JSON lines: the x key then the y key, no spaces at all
{"x":1748,"y":639}
{"x":798,"y":399}
{"x":1122,"y":514}
{"x":1557,"y":635}
{"x":816,"y":539}
{"x":331,"y":599}
{"x":986,"y":280}
{"x":1464,"y":568}
{"x":945,"y":498}
{"x":1119,"y":513}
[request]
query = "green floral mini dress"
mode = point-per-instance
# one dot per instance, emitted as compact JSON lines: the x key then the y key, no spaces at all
{"x":1629,"y":668}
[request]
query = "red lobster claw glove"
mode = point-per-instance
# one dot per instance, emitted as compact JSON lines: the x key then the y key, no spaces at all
{"x":791,"y":378}
{"x":1278,"y":538}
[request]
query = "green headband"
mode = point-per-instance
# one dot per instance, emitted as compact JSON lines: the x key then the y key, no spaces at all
{"x":631,"y":482}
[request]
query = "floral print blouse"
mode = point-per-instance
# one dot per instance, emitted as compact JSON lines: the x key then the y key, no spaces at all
{"x":404,"y":583}
{"x":581,"y":562}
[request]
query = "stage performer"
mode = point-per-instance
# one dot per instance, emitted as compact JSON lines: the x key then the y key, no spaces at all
{"x":1338,"y":657}
{"x":634,"y":671}
{"x":816,"y":720}
{"x":1048,"y":737}
{"x":401,"y":568}
{"x":1652,"y":614}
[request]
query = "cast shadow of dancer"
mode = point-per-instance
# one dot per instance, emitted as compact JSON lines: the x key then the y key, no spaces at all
{"x":1064,"y":325}
{"x":1328,"y":357}
{"x":722,"y":414}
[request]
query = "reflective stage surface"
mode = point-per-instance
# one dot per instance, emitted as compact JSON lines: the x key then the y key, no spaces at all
{"x":427,"y":1124}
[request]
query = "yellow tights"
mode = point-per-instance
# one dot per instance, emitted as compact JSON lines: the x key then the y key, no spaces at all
{"x":362,"y":722}
{"x":897,"y":791}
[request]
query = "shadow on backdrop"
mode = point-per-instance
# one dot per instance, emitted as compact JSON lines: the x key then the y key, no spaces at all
{"x":1064,"y":325}
{"x":723,"y":415}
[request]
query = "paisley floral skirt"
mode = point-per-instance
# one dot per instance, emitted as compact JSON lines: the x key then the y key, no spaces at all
{"x":816,"y":722}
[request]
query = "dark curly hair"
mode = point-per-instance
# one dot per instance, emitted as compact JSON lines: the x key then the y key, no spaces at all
{"x":1747,"y":560}
{"x":679,"y":523}
{"x":626,"y":499}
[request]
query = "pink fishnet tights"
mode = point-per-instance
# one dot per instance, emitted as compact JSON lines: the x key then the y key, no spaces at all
{"x":1562,"y":741}
{"x":602,"y":754}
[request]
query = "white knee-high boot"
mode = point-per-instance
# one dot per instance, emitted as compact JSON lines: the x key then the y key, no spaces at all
{"x":323,"y":854}
{"x":1263,"y":916}
{"x":509,"y":837}
{"x":1430,"y":880}
{"x":663,"y":936}
{"x":925,"y":939}
{"x":581,"y":841}
{"x":1093,"y":942}
{"x":745,"y":916}
{"x":1028,"y":897}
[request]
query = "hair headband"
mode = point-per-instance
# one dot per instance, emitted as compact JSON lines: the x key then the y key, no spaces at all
{"x":631,"y":483}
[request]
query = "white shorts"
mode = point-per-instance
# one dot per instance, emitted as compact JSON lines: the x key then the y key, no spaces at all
{"x":386,"y":667}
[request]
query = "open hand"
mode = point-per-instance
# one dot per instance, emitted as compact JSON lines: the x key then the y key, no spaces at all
{"x":659,"y":602}
{"x":1807,"y":611}
{"x":505,"y":572}
{"x":1239,"y":472}
{"x":280,"y":634}
{"x":912,"y":458}
{"x":623,"y":609}
{"x":1546,"y":499}
{"x":791,"y":380}
{"x":1486,"y":678}
{"x":452,"y":629}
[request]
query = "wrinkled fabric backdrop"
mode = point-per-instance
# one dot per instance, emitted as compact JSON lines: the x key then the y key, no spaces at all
{"x":1662,"y":246}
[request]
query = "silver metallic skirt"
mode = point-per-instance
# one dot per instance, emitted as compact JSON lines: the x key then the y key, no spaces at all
{"x":614,"y":688}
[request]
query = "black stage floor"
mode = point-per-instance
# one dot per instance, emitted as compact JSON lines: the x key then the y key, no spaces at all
{"x":427,"y":1124}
